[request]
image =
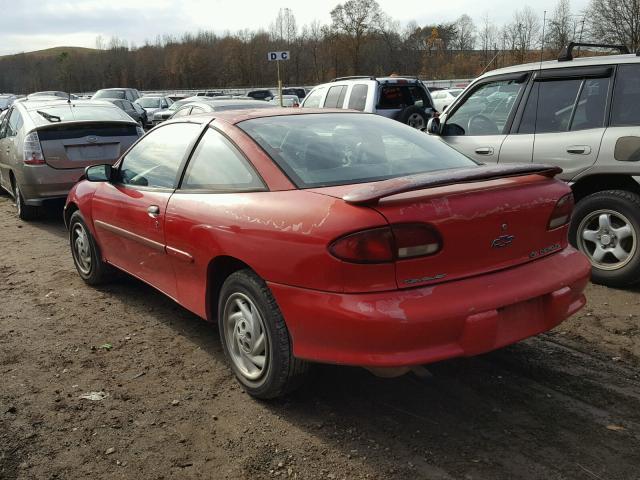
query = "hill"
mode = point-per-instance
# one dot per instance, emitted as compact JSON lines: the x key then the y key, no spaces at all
{"x":52,"y":52}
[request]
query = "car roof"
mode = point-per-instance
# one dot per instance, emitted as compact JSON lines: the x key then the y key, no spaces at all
{"x":236,"y":116}
{"x":576,"y":62}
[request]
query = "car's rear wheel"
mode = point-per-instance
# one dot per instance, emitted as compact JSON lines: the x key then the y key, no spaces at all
{"x":24,"y":211}
{"x":606,"y":227}
{"x":255,"y":338}
{"x":86,"y":254}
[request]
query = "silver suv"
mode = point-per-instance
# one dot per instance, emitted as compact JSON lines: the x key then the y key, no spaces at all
{"x":46,"y":145}
{"x":401,"y":98}
{"x":581,"y":115}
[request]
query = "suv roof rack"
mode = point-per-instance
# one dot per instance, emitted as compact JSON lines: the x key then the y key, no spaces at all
{"x":353,"y":77}
{"x":567,"y":53}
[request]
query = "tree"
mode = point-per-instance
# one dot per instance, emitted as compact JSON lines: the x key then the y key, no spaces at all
{"x":465,"y":35}
{"x":615,"y":21}
{"x":355,"y":19}
{"x":561,"y":26}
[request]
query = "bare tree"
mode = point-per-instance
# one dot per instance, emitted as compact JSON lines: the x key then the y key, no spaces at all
{"x":356,"y":19}
{"x":284,"y":29}
{"x":487,"y":35}
{"x":523,"y":33}
{"x":561,"y":26}
{"x":615,"y":21}
{"x":465,"y":36}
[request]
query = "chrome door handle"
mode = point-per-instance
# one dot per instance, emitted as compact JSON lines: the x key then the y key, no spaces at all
{"x":484,"y":151}
{"x":153,"y":210}
{"x":579,"y":149}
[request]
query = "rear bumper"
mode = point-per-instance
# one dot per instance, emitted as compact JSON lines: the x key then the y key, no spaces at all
{"x":423,"y":325}
{"x":41,"y":183}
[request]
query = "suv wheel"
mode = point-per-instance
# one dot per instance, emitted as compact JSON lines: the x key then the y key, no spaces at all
{"x":24,"y":211}
{"x":255,"y":338}
{"x":606,"y":227}
{"x":414,"y":117}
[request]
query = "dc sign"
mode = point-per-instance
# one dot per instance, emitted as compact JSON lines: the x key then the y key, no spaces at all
{"x":276,"y":56}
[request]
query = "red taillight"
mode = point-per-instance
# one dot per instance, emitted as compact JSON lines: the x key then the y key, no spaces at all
{"x":561,"y":214}
{"x":387,"y":244}
{"x":32,"y":151}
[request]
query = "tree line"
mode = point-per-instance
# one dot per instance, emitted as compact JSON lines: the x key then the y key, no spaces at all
{"x":361,"y":39}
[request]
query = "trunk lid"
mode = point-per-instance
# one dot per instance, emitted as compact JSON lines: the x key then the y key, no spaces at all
{"x":78,"y":144}
{"x":485,"y":225}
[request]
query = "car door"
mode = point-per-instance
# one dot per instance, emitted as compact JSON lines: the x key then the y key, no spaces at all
{"x":478,"y":124}
{"x":129,"y":212}
{"x":566,"y":113}
{"x":217,"y":177}
{"x":4,"y":164}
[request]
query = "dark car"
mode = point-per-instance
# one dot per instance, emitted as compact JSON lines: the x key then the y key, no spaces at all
{"x":297,"y":91}
{"x":261,"y":94}
{"x":132,"y":109}
{"x":130,"y":94}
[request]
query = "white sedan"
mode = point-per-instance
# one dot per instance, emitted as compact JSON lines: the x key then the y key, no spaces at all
{"x":443,"y":98}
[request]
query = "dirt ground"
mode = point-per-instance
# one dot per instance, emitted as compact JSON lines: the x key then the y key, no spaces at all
{"x":564,"y":405}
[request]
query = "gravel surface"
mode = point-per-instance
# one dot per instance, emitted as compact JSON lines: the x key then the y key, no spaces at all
{"x":160,"y":403}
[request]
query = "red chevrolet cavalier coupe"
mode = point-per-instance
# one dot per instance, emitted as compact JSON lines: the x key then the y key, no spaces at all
{"x":331,"y":236}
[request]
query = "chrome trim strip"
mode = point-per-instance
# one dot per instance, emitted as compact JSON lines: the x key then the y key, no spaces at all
{"x":179,"y":254}
{"x":130,"y":235}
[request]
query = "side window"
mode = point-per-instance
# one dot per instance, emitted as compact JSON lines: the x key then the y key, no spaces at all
{"x":183,"y":112}
{"x":419,"y":96}
{"x":591,"y":104}
{"x":626,"y":93}
{"x":555,"y":101}
{"x":14,"y":124}
{"x":154,"y":161}
{"x":486,"y":111}
{"x":358,"y":98}
{"x":313,"y":99}
{"x":335,"y":97}
{"x":195,"y":110}
{"x":3,"y":124}
{"x":127,"y":105}
{"x":217,"y":165}
{"x":129,"y":95}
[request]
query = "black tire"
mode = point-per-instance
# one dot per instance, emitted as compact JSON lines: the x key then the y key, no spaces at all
{"x":282,"y":372}
{"x":623,"y":205}
{"x":98,"y":271}
{"x":410,"y":114}
{"x":25,"y":212}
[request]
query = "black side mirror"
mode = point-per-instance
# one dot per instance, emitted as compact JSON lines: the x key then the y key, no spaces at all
{"x":433,"y":126}
{"x":98,"y":173}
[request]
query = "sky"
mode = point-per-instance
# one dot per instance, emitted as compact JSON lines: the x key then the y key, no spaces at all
{"x":27,"y":25}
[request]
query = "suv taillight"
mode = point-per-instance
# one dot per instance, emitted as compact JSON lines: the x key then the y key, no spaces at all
{"x":561,"y":214}
{"x":32,"y":150}
{"x":387,"y":244}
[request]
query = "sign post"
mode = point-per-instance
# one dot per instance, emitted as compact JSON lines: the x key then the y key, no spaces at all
{"x":278,"y":57}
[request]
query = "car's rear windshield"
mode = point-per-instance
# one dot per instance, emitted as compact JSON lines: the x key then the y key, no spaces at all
{"x":45,"y":115}
{"x":340,"y":149}
{"x":110,"y":94}
{"x":149,"y":102}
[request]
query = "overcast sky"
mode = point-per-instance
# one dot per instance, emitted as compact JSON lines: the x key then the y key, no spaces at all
{"x":27,"y":25}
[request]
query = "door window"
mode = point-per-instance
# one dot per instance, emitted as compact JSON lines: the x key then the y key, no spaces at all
{"x":335,"y":97}
{"x":155,"y":160}
{"x":626,"y":96}
{"x":14,"y":124}
{"x":313,"y":99}
{"x":591,"y":104}
{"x":486,"y":111}
{"x":217,"y":165}
{"x":358,"y":98}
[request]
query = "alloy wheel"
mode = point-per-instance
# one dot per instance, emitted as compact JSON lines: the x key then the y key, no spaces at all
{"x":608,"y":238}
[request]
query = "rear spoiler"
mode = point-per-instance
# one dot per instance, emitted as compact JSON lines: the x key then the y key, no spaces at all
{"x":375,"y":191}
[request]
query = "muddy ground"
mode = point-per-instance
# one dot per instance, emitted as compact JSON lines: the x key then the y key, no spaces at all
{"x":564,"y":405}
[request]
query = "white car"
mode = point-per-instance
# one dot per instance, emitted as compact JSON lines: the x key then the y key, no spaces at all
{"x":443,"y":98}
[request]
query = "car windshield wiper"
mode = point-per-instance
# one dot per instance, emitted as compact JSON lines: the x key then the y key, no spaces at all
{"x":48,"y":116}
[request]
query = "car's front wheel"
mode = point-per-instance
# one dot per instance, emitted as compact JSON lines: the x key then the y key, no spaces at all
{"x":606,"y":227}
{"x":86,"y":254}
{"x":255,"y":338}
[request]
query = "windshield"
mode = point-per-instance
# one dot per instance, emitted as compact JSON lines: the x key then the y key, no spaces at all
{"x":149,"y":102}
{"x":110,"y":94}
{"x":179,"y":103}
{"x":70,"y":113}
{"x":341,"y":149}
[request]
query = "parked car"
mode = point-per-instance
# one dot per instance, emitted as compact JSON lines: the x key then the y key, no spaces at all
{"x":297,"y":91}
{"x":162,"y":115}
{"x":579,"y":115}
{"x":130,"y":94}
{"x":403,"y":99}
{"x":327,"y":236}
{"x":6,"y":100}
{"x":53,"y":93}
{"x":445,"y":97}
{"x":194,"y":108}
{"x":287,"y":101}
{"x":132,"y":109}
{"x":260,"y":94}
{"x":45,"y":146}
{"x":210,"y":93}
{"x":153,"y":104}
